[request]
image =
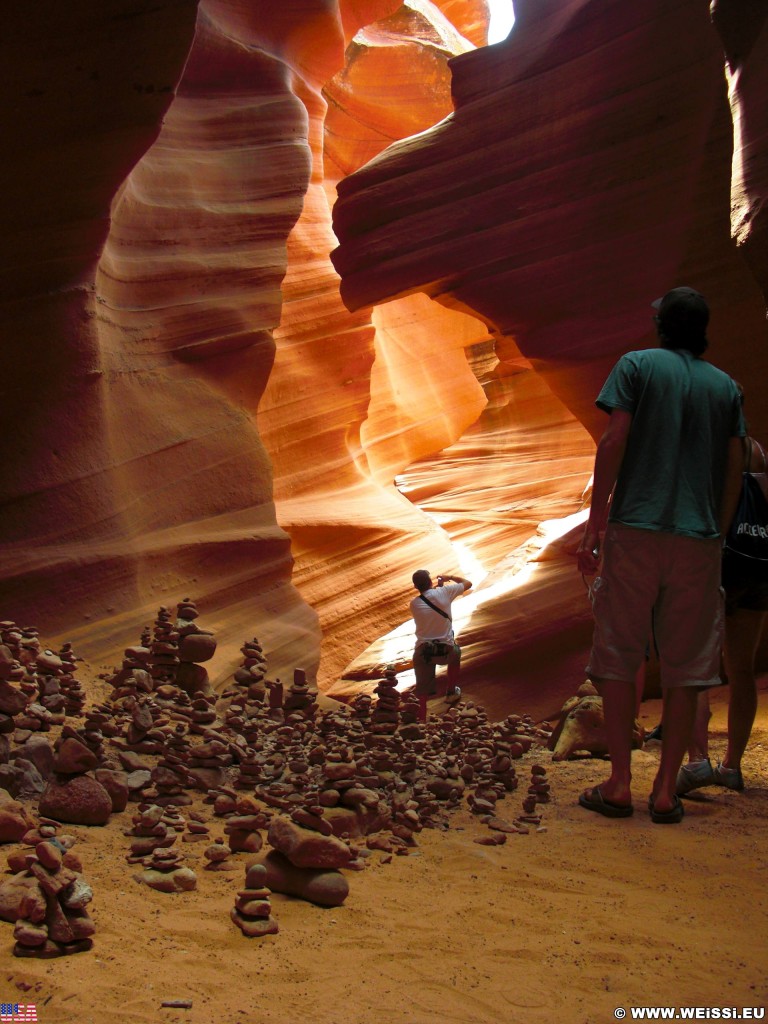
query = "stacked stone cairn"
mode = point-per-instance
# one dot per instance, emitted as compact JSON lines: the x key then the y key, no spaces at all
{"x":253,"y":669}
{"x":149,"y":832}
{"x":73,"y":795}
{"x":538,"y":793}
{"x":195,"y":645}
{"x":165,"y":871}
{"x":275,"y":698}
{"x":133,"y":678}
{"x":13,"y":700}
{"x":208,"y":761}
{"x":385,"y":717}
{"x":197,"y":829}
{"x":70,"y":685}
{"x":299,"y":697}
{"x":144,"y":734}
{"x":49,"y":673}
{"x":252,"y":912}
{"x":24,"y":648}
{"x":164,"y":649}
{"x":219,"y":855}
{"x":170,"y":776}
{"x":360,"y":707}
{"x":202,"y":714}
{"x":52,"y":918}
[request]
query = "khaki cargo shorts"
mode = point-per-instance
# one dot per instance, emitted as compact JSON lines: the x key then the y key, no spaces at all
{"x":661,"y":588}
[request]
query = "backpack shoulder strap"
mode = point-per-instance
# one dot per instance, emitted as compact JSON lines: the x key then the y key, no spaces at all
{"x":435,"y":608}
{"x":754,"y":443}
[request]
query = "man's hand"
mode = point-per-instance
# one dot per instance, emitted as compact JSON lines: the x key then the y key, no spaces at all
{"x":588,"y":552}
{"x":453,"y":579}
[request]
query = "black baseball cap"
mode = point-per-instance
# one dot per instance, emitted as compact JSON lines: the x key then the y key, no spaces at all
{"x":684,"y":308}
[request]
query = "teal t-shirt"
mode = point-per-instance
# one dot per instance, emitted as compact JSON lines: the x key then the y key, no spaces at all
{"x":684,"y":412}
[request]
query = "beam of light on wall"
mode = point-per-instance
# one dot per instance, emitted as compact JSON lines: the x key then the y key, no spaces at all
{"x":502,"y":20}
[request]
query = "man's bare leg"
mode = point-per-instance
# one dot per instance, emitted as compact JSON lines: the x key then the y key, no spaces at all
{"x":680,"y":704}
{"x":619,"y":704}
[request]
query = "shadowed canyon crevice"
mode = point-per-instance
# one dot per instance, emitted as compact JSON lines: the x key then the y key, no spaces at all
{"x":223,"y":383}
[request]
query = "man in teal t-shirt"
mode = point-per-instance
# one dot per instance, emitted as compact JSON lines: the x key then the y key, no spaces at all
{"x":669,"y":463}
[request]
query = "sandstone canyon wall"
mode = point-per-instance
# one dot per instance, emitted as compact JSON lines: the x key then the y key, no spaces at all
{"x":195,"y":407}
{"x":589,"y":166}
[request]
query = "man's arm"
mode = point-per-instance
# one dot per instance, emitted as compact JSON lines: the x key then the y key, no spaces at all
{"x":608,"y":459}
{"x":456,"y":579}
{"x":732,"y":488}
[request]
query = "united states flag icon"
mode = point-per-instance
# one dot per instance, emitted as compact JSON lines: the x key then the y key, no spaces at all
{"x":18,"y":1013}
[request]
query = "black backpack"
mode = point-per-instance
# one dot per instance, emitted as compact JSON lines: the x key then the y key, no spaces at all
{"x":745,"y":553}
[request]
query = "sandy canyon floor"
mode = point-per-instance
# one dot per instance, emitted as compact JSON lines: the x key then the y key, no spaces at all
{"x":574,"y":923}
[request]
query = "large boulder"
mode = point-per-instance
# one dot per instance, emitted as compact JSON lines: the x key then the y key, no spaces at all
{"x":14,"y":819}
{"x":322,"y":886}
{"x":79,"y":800}
{"x":306,"y":849}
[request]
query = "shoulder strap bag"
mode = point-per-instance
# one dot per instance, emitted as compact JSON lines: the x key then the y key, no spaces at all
{"x":745,"y":552}
{"x":435,"y":608}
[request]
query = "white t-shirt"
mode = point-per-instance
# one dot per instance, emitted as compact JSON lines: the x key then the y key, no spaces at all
{"x":430,"y":625}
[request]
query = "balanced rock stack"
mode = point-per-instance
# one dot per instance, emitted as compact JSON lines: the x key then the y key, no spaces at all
{"x":299,"y":697}
{"x":385,"y":717}
{"x":202,"y":714}
{"x":361,"y":707}
{"x":275,"y":698}
{"x":170,"y":776}
{"x":195,"y":645}
{"x":10,"y":637}
{"x":49,"y":670}
{"x":252,"y":912}
{"x":410,"y":728}
{"x":306,"y":863}
{"x":249,"y":769}
{"x":143,"y":736}
{"x":164,"y":871}
{"x":164,"y":649}
{"x":13,"y":700}
{"x":197,"y":830}
{"x":74,"y":694}
{"x":29,"y":645}
{"x":243,"y":829}
{"x":539,"y":787}
{"x":149,"y":832}
{"x":52,"y":919}
{"x":218,"y":855}
{"x":207,"y":763}
{"x":133,"y":675}
{"x":72,"y":795}
{"x":253,"y":669}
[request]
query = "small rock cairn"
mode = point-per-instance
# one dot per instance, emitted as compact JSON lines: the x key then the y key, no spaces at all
{"x":52,"y":917}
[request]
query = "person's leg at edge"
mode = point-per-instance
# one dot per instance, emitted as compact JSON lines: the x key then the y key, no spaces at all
{"x":425,"y":679}
{"x":742,"y":635}
{"x":680,"y":703}
{"x":619,"y":706}
{"x":698,"y":749}
{"x":451,"y":679}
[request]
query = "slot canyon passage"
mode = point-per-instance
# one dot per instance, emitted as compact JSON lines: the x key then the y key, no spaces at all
{"x":297,"y":298}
